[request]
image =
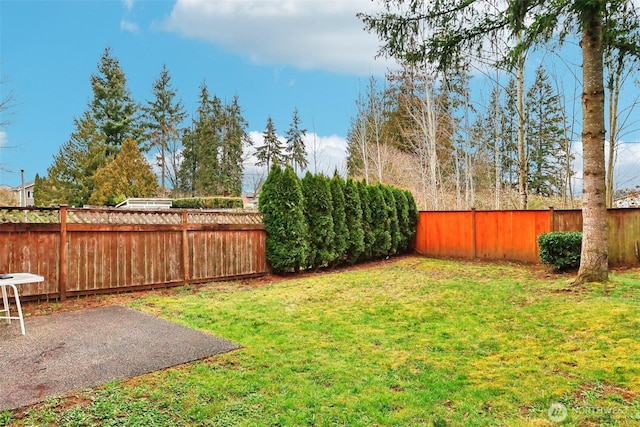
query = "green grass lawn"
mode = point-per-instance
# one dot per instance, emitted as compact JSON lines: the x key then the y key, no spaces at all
{"x":408,"y":342}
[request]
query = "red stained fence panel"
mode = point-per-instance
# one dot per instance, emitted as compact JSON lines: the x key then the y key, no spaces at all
{"x":512,"y":235}
{"x":446,"y":234}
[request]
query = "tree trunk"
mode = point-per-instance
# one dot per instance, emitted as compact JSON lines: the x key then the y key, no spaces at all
{"x":523,"y":173}
{"x":614,"y":92}
{"x":594,"y":259}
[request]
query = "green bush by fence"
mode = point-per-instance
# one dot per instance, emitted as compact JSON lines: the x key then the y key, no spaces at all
{"x":208,"y":203}
{"x":561,"y":249}
{"x":334,"y":221}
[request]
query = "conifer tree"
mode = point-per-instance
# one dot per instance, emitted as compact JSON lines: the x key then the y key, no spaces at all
{"x":163,"y":118}
{"x":318,"y":208}
{"x":199,"y":170}
{"x":112,"y":107}
{"x":70,"y":178}
{"x":281,"y":204}
{"x":296,"y":151}
{"x":234,"y":138}
{"x":339,"y":218}
{"x":545,"y":126}
{"x":125,"y":176}
{"x":509,"y":136}
{"x":353,"y":215}
{"x":271,"y":151}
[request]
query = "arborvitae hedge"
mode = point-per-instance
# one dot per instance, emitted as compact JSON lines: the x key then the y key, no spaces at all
{"x":379,"y":222}
{"x":353,"y":214}
{"x":317,"y":209}
{"x":402,"y":207}
{"x":392,"y":212}
{"x":208,"y":203}
{"x":281,"y":205}
{"x":413,"y":219}
{"x":317,"y":222}
{"x":369,"y":236}
{"x":340,"y":229}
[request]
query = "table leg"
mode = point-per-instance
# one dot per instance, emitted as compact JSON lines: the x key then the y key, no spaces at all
{"x":5,"y":301}
{"x":19,"y":307}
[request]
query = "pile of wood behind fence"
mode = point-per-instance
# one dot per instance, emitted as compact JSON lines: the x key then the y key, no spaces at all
{"x":86,"y":251}
{"x":512,"y":235}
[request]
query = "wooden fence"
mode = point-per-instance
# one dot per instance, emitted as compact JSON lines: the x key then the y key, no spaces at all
{"x":85,"y":251}
{"x":512,"y":235}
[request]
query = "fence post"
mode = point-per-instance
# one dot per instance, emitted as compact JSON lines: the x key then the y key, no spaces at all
{"x":551,"y":219}
{"x":185,"y":248}
{"x":62,"y":278}
{"x":473,"y":231}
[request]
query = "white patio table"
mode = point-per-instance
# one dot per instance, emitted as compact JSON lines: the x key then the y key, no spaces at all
{"x":12,"y":280}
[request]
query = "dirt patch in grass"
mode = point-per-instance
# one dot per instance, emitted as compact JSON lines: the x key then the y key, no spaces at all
{"x":602,"y":391}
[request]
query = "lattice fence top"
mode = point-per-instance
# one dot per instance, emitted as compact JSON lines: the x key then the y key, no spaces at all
{"x":120,"y":216}
{"x":29,"y":216}
{"x":224,"y":217}
{"x":113,"y":216}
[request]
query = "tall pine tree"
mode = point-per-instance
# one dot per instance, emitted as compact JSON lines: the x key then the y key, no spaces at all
{"x":112,"y":107}
{"x":200,"y":168}
{"x":234,"y":139}
{"x":271,"y":151}
{"x":545,"y":134}
{"x":163,"y":119}
{"x":296,"y":150}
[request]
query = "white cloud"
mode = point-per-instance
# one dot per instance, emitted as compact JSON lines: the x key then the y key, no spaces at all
{"x":307,"y":34}
{"x":3,"y":138}
{"x":325,"y":154}
{"x":626,"y":169}
{"x":128,"y":4}
{"x":129,"y":26}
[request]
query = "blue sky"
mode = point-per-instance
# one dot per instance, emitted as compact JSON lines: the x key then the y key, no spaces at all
{"x":276,"y":55}
{"x":312,"y":55}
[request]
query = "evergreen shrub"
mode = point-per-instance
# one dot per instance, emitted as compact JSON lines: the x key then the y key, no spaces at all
{"x":402,"y":208}
{"x":208,"y":203}
{"x":340,"y":228}
{"x":380,"y":221}
{"x":353,"y":215}
{"x":281,"y":206}
{"x":561,"y":249}
{"x":367,"y":228}
{"x":318,"y":208}
{"x":317,"y":222}
{"x":393,"y":222}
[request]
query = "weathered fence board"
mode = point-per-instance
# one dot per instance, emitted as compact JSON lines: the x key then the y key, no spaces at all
{"x":512,"y":235}
{"x":624,"y":237}
{"x":85,"y":251}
